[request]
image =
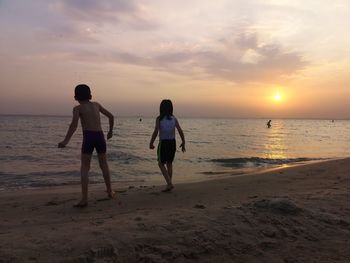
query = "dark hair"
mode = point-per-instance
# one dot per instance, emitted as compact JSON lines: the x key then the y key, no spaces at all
{"x":82,"y":92}
{"x":165,"y":109}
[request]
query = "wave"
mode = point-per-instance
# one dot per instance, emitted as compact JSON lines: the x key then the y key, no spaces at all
{"x":199,"y":142}
{"x":27,"y":158}
{"x":257,"y":161}
{"x":45,"y":178}
{"x":124,"y":157}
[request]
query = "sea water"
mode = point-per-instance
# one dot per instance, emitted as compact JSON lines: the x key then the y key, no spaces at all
{"x":29,"y":156}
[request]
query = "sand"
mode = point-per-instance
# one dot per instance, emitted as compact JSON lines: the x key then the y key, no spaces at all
{"x":295,"y":214}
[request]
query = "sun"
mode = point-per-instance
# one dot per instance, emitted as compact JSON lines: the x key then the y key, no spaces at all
{"x":277,"y":97}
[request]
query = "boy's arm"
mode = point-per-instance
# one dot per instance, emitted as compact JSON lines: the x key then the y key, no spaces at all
{"x":154,"y":135}
{"x":110,"y":120}
{"x":182,"y":135}
{"x":72,"y":128}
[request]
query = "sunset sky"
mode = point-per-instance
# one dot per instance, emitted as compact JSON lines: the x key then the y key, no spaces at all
{"x":222,"y":58}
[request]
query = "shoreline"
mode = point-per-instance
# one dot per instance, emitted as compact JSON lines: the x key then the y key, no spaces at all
{"x":207,"y":176}
{"x":292,"y":214}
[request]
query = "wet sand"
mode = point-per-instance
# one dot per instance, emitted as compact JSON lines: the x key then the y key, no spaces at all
{"x":296,"y":214}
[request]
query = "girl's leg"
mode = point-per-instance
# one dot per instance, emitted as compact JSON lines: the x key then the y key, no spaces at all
{"x":84,"y":171}
{"x":102,"y":159}
{"x":165,"y":173}
{"x":170,"y":171}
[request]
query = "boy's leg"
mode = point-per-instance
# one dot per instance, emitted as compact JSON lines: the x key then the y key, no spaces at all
{"x":84,"y":171}
{"x":102,"y":159}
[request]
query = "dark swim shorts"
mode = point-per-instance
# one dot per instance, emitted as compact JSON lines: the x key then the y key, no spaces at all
{"x":91,"y":140}
{"x":166,"y":151}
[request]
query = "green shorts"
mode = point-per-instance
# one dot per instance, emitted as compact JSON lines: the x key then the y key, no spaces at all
{"x":166,"y":151}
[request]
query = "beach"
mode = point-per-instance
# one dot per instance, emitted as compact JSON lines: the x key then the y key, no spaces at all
{"x":206,"y":131}
{"x":293,"y":214}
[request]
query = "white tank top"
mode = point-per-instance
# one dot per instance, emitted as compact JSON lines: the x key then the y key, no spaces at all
{"x":167,"y":128}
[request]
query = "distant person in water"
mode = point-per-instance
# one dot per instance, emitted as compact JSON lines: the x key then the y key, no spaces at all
{"x":165,"y":125}
{"x":89,"y":114}
{"x":268,"y":124}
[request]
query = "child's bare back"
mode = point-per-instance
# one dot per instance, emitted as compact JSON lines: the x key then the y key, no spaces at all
{"x":89,"y":113}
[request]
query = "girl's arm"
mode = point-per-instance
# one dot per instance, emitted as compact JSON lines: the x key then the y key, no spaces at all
{"x":110,"y":120}
{"x":72,"y":128}
{"x":154,"y":135}
{"x":182,"y":135}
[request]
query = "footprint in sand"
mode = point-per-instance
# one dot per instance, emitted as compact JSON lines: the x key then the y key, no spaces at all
{"x":103,"y":199}
{"x":58,"y":202}
{"x":101,"y":254}
{"x":104,"y":252}
{"x":200,"y":206}
{"x":97,"y":233}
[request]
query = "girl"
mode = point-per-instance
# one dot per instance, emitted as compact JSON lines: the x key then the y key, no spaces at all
{"x":165,"y":124}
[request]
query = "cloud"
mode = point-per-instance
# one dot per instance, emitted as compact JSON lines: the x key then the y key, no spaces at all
{"x":109,"y":31}
{"x":66,"y":33}
{"x":87,"y":21}
{"x":130,"y":13}
{"x":239,"y":59}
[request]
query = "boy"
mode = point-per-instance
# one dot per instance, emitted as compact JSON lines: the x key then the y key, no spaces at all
{"x":89,"y":114}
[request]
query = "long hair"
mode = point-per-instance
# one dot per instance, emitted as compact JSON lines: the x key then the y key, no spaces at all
{"x":165,"y":109}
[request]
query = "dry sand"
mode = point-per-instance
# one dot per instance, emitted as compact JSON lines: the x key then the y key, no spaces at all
{"x":297,"y":214}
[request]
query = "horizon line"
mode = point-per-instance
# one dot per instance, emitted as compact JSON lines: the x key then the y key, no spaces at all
{"x":187,"y":117}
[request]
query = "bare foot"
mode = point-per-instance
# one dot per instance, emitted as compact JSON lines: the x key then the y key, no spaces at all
{"x":168,"y":188}
{"x":112,"y":195}
{"x":81,"y":204}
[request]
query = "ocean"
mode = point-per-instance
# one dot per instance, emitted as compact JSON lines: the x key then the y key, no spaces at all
{"x":29,"y":156}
